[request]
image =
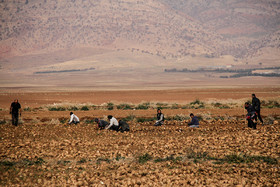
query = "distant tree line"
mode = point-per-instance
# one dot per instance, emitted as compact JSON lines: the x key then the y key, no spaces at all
{"x":63,"y":71}
{"x":239,"y":72}
{"x":219,"y":70}
{"x":252,"y":74}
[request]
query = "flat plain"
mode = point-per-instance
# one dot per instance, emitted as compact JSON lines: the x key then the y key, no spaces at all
{"x":43,"y":150}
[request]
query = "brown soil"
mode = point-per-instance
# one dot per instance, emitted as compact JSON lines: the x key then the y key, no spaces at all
{"x":45,"y":151}
{"x":37,"y":99}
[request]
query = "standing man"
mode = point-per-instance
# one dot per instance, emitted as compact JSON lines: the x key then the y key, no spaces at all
{"x":160,"y":118}
{"x":257,"y":106}
{"x":251,"y":116}
{"x":73,"y":119}
{"x":194,"y":122}
{"x":14,"y":109}
{"x":114,"y":124}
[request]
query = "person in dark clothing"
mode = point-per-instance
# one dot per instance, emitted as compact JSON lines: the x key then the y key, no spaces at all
{"x":251,"y":115}
{"x":257,"y":106}
{"x":15,"y":110}
{"x":101,"y":123}
{"x":160,"y":118}
{"x":194,"y":122}
{"x":123,"y":126}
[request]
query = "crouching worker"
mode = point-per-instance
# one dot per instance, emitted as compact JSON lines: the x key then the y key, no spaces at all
{"x":160,"y":118}
{"x":73,"y":119}
{"x":194,"y":122}
{"x":123,"y":126}
{"x":251,"y":116}
{"x":101,"y":124}
{"x":114,"y":124}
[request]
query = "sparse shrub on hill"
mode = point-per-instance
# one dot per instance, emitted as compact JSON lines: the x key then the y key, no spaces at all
{"x":197,"y":104}
{"x":162,"y":105}
{"x":124,"y":106}
{"x":73,"y":108}
{"x":175,"y":106}
{"x":180,"y":117}
{"x":85,"y":108}
{"x":110,"y":106}
{"x":27,"y":109}
{"x":270,"y":104}
{"x":129,"y":118}
{"x":142,"y":119}
{"x":143,"y":106}
{"x":57,"y":108}
{"x":220,"y":105}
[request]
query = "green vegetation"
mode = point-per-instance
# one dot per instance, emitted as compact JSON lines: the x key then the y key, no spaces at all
{"x":141,"y":119}
{"x":162,"y":105}
{"x":63,"y":162}
{"x":220,"y":105}
{"x":238,"y":159}
{"x":85,"y":108}
{"x":168,"y":158}
{"x":3,"y":122}
{"x":119,"y":157}
{"x":144,"y":158}
{"x":110,"y":106}
{"x":27,"y":109}
{"x":73,"y":108}
{"x":143,"y":106}
{"x":57,"y":108}
{"x":270,"y":104}
{"x":99,"y":160}
{"x":197,"y":104}
{"x":83,"y":160}
{"x":174,"y":106}
{"x":124,"y":106}
{"x":129,"y":118}
{"x":62,"y":120}
{"x":233,"y":158}
{"x":180,"y":117}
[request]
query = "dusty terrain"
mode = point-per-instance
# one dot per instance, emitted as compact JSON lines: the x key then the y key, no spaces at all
{"x":43,"y":150}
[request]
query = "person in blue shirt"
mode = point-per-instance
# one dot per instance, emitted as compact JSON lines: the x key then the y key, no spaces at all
{"x":194,"y":122}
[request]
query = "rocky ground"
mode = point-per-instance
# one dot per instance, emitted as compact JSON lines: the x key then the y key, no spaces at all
{"x":218,"y":153}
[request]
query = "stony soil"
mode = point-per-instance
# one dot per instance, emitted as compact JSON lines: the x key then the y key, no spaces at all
{"x":223,"y":151}
{"x":218,"y":153}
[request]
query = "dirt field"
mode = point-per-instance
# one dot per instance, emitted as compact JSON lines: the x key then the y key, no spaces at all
{"x":43,"y":150}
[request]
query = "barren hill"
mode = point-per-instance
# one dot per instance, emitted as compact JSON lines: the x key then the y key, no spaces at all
{"x":53,"y":36}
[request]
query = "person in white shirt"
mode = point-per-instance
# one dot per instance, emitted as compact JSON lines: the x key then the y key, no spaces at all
{"x":114,"y":124}
{"x":73,"y":119}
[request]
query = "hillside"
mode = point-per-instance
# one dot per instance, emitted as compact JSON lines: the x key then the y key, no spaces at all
{"x":47,"y":35}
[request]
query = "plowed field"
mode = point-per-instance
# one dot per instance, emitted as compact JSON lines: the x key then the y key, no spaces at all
{"x":44,"y":151}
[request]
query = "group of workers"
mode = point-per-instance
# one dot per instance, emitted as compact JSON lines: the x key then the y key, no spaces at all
{"x":253,"y":113}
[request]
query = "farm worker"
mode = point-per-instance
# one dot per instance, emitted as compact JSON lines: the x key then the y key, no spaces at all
{"x":73,"y":119}
{"x":123,"y":126}
{"x":257,"y":106}
{"x":194,"y":122}
{"x":14,"y":110}
{"x":160,"y":118}
{"x":114,"y":124}
{"x":251,"y":115}
{"x":101,"y":123}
